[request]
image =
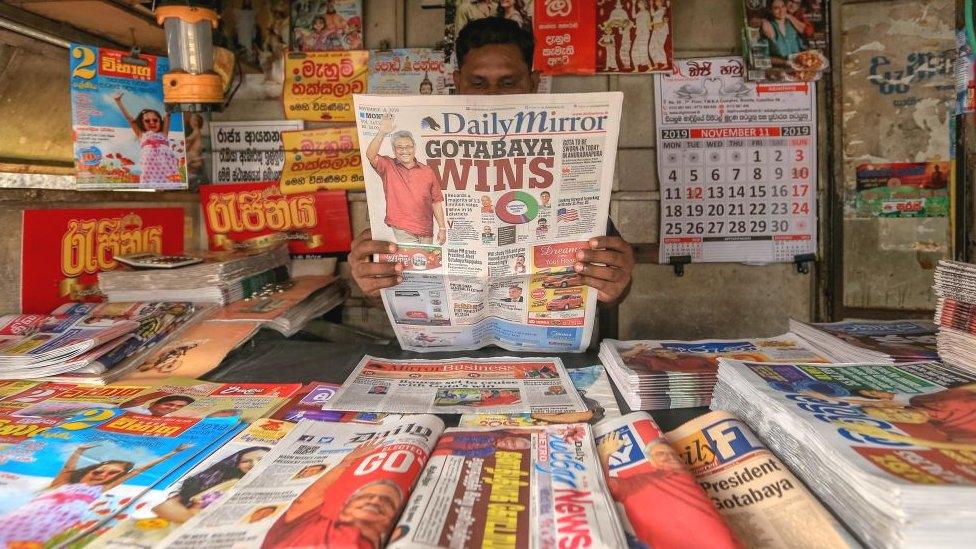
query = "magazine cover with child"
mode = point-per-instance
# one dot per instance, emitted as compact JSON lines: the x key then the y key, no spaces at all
{"x":124,"y":138}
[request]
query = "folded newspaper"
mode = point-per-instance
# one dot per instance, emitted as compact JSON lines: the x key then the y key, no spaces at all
{"x":871,"y":340}
{"x":646,"y":477}
{"x":489,"y":199}
{"x":68,"y":480}
{"x":593,"y":387}
{"x":889,"y":447}
{"x":457,"y":386}
{"x":195,"y":352}
{"x":654,"y":375}
{"x":511,"y":487}
{"x":288,"y":308}
{"x":761,"y":500}
{"x":323,"y":485}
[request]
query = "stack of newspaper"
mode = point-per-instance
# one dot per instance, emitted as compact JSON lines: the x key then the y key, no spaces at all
{"x":222,"y":277}
{"x":34,"y":346}
{"x":887,"y":341}
{"x":887,"y":446}
{"x":955,"y":286}
{"x":289,"y":308}
{"x":656,"y":375}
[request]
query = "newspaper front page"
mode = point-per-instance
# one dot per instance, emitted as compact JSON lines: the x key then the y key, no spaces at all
{"x":518,"y":487}
{"x":646,"y":476}
{"x":488,"y":386}
{"x":762,"y":501}
{"x":323,"y":485}
{"x":489,"y":199}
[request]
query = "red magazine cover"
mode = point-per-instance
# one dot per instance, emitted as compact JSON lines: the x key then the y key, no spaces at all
{"x":64,"y":250}
{"x":314,"y":223}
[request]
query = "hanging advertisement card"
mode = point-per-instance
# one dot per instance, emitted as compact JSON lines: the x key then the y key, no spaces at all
{"x":319,"y":85}
{"x":249,"y":151}
{"x":634,"y":36}
{"x":785,"y":40}
{"x":407,"y":71}
{"x":327,"y":158}
{"x":565,"y":35}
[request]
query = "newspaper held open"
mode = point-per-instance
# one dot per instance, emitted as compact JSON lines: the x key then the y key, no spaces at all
{"x":487,"y":386}
{"x":488,"y":199}
{"x":323,"y":485}
{"x":537,"y":487}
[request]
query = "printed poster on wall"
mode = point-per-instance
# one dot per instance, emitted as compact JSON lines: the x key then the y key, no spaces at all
{"x":785,"y":40}
{"x":123,"y":136}
{"x":407,"y":71}
{"x":64,"y":250}
{"x":327,"y":158}
{"x":249,"y":151}
{"x":326,"y":25}
{"x":565,"y":36}
{"x":633,"y":36}
{"x":314,"y":223}
{"x":319,"y":85}
{"x":903,"y":189}
{"x":737,"y":162}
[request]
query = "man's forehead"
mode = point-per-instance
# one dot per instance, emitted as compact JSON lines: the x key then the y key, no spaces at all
{"x":495,"y":60}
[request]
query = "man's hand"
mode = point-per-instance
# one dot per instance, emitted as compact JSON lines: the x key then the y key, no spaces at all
{"x":607,"y":266}
{"x":441,"y":236}
{"x":387,"y":124}
{"x":373,"y":277}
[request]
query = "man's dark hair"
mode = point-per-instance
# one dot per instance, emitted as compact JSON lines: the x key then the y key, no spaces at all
{"x":491,"y":31}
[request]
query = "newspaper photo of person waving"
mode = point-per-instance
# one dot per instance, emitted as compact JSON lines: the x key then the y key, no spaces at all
{"x":414,"y":200}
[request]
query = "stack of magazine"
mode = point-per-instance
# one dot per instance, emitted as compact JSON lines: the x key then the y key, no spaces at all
{"x":156,"y":323}
{"x":887,"y":341}
{"x":656,"y":375}
{"x":955,"y":286}
{"x":888,"y":447}
{"x":288,"y":308}
{"x":222,"y":277}
{"x":43,"y":345}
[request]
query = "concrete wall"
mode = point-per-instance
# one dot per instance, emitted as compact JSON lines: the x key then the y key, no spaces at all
{"x":711,"y":300}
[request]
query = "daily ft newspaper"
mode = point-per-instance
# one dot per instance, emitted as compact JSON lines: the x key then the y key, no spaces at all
{"x":488,"y":199}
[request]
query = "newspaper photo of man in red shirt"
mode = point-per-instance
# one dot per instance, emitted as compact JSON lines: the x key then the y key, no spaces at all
{"x":413,"y":194}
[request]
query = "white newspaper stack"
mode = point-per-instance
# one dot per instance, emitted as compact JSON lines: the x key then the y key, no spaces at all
{"x":34,"y":346}
{"x":659,"y":375}
{"x":888,"y":447}
{"x":223,"y":277}
{"x":886,"y":341}
{"x":287,"y":309}
{"x":955,"y":286}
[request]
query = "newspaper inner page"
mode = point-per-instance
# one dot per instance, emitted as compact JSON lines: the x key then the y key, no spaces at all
{"x":505,"y":385}
{"x":488,"y":199}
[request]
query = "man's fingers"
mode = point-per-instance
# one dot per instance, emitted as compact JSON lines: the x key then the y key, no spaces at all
{"x":607,"y":257}
{"x":372,"y":270}
{"x":610,"y":243}
{"x":609,"y":274}
{"x":365,"y":249}
{"x":604,"y":288}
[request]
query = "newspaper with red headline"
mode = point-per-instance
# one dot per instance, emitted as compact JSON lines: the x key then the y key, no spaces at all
{"x":323,"y":485}
{"x":764,"y":503}
{"x":488,"y":200}
{"x":646,"y":475}
{"x":504,"y":385}
{"x":519,"y":487}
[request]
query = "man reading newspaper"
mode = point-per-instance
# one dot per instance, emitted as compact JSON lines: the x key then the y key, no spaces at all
{"x":494,"y":58}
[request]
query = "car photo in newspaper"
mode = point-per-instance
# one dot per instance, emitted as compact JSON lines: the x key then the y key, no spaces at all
{"x":488,"y":199}
{"x":323,"y":485}
{"x":487,"y":386}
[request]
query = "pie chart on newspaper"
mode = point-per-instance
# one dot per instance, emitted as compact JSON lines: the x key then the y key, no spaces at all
{"x":516,"y":207}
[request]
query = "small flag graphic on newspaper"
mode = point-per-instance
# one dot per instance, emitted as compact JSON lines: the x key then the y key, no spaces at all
{"x":567,"y":214}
